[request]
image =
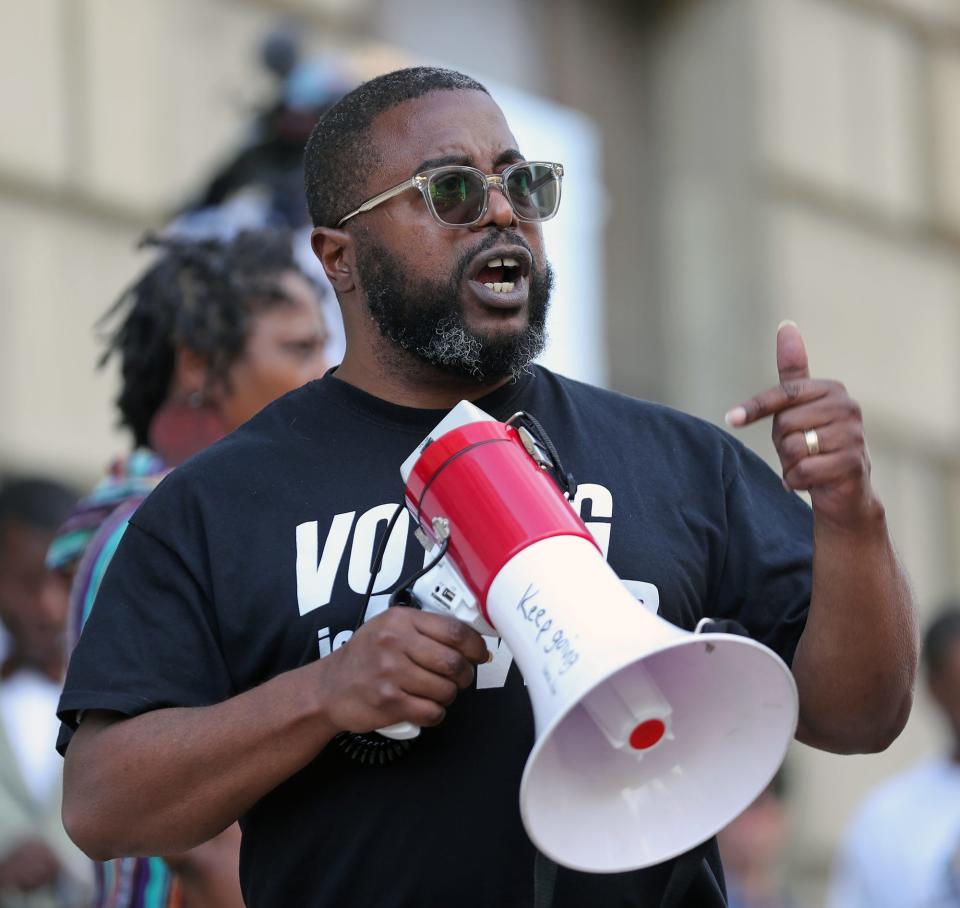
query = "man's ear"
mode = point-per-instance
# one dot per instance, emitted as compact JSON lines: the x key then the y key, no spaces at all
{"x":335,"y":251}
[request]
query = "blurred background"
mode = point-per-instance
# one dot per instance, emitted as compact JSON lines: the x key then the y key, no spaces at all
{"x":730,"y":163}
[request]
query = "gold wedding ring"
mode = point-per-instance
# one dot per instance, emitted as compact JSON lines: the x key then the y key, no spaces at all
{"x":812,"y":441}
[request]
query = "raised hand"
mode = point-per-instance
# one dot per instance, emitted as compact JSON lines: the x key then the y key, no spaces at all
{"x":818,"y":434}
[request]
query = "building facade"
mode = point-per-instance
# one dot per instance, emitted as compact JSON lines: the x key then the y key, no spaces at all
{"x":762,"y":160}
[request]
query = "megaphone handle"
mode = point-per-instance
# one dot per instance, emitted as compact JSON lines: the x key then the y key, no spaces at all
{"x":400,"y":731}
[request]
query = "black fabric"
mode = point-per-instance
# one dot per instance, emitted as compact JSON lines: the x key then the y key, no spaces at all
{"x":201,"y":602}
{"x":544,"y":880}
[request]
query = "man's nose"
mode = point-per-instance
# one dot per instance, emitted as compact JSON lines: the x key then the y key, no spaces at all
{"x":499,"y":211}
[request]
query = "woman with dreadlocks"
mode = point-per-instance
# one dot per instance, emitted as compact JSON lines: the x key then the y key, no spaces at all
{"x":209,"y":335}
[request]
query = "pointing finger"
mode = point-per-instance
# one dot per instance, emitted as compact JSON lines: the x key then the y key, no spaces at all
{"x":795,"y":386}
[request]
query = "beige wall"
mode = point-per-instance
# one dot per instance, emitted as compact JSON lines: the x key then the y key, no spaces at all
{"x":764,"y":158}
{"x":832,"y":157}
{"x":112,"y":113}
{"x":861,"y":210}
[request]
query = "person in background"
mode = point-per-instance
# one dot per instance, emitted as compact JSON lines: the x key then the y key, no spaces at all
{"x":210,"y":334}
{"x":39,"y":865}
{"x":752,"y":850}
{"x":902,"y":849}
{"x":261,"y":183}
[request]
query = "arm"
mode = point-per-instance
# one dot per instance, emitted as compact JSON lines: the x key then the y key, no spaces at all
{"x":856,"y":659}
{"x":167,"y":780}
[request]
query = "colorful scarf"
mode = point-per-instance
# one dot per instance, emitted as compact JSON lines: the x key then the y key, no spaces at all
{"x":83,"y":548}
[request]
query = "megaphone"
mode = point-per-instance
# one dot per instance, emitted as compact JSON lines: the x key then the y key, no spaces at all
{"x":649,"y":738}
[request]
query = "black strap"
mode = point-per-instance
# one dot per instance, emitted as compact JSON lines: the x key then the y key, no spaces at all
{"x":564,"y":479}
{"x":685,"y":870}
{"x":544,"y":880}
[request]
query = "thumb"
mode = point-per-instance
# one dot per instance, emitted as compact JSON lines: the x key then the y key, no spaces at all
{"x":791,"y":353}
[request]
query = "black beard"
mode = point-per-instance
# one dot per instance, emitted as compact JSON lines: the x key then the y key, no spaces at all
{"x":426,"y":319}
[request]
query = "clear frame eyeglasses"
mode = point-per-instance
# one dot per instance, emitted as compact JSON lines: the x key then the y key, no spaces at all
{"x":457,"y":195}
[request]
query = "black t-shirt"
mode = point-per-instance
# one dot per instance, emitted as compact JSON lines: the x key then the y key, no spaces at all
{"x":252,"y":559}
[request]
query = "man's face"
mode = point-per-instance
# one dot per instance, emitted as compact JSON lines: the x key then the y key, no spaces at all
{"x":33,"y":600}
{"x":425,"y":284}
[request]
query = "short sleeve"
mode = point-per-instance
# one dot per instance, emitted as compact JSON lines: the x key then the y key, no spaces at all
{"x":767,"y":570}
{"x":150,"y":641}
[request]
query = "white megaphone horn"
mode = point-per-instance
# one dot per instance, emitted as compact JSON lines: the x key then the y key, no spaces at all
{"x":649,"y":738}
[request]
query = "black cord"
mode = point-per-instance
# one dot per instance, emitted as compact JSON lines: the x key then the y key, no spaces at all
{"x":413,"y":578}
{"x":564,"y":479}
{"x":373,"y":749}
{"x":450,"y":460}
{"x":402,"y":584}
{"x":375,"y":569}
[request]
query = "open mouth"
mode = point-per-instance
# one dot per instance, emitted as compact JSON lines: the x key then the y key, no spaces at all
{"x":500,"y":274}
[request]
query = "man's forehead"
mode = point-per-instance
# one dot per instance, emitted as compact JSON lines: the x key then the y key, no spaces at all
{"x":466,"y":125}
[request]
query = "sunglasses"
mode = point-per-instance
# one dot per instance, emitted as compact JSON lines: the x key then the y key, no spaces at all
{"x":457,"y":195}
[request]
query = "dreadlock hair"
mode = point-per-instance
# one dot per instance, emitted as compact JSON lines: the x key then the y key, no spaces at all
{"x":339,"y":154}
{"x":201,"y":295}
{"x":941,"y":636}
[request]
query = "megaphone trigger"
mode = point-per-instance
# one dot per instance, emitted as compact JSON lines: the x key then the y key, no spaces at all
{"x":403,"y":598}
{"x":400,"y":731}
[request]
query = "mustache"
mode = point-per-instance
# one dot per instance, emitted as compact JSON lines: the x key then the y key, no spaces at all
{"x":494,"y":237}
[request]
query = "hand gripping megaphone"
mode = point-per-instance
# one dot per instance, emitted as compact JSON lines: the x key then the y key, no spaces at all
{"x":649,"y":738}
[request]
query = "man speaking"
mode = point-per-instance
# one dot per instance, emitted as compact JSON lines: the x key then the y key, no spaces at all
{"x":222,"y":675}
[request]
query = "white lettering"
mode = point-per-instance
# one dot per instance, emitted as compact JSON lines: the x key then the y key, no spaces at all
{"x":315,"y":581}
{"x":601,"y":505}
{"x":323,"y":641}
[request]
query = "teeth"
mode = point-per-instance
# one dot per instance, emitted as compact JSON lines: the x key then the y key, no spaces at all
{"x":504,"y":287}
{"x":503,"y":263}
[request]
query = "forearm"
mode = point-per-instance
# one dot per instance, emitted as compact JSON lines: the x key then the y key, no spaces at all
{"x":168,"y":780}
{"x":856,"y":660}
{"x":164,"y":782}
